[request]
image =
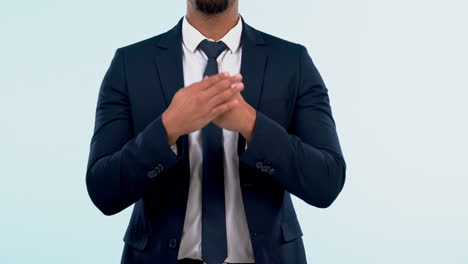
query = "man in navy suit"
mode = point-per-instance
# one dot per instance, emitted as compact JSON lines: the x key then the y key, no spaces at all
{"x":207,"y":129}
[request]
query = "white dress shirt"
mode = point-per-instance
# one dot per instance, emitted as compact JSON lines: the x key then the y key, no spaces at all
{"x":239,"y":246}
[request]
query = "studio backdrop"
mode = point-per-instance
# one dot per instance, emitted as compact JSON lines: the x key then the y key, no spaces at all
{"x":396,"y":73}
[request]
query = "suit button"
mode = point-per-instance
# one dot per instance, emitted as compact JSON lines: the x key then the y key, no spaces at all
{"x":151,"y":174}
{"x":259,"y":164}
{"x":271,"y":171}
{"x":172,"y":243}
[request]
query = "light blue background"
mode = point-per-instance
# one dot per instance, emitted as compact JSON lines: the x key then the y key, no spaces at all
{"x":397,"y":78}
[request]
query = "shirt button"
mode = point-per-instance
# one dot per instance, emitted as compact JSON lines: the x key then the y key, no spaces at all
{"x":172,"y":243}
{"x":259,"y":164}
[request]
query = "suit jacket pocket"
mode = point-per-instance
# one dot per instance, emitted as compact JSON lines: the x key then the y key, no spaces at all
{"x":291,"y":230}
{"x":136,"y":236}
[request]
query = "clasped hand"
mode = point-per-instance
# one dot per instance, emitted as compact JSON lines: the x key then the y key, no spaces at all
{"x":216,"y":98}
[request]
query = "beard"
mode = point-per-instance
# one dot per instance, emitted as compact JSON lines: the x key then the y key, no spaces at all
{"x":211,"y":7}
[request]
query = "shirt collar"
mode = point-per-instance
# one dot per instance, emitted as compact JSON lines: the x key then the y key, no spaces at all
{"x":191,"y":37}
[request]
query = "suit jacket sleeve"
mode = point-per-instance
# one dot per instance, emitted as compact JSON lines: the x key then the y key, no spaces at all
{"x":308,"y":162}
{"x":122,"y":166}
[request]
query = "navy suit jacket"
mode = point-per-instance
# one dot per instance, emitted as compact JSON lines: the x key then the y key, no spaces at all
{"x":294,"y":148}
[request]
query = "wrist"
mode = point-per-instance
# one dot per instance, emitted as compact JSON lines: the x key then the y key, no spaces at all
{"x":170,"y":128}
{"x":249,"y":125}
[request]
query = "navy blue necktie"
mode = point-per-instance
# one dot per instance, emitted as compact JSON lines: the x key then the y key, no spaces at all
{"x":214,"y":242}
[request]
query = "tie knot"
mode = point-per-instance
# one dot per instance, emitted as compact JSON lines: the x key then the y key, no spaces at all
{"x":212,"y":49}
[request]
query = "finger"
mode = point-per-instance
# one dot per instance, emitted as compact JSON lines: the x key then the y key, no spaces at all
{"x":225,"y":95}
{"x":217,"y":88}
{"x":208,"y":80}
{"x":211,"y":80}
{"x":222,"y":108}
{"x":220,"y":86}
{"x":236,"y":77}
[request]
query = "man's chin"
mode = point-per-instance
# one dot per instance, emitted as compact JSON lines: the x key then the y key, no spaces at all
{"x":212,"y":7}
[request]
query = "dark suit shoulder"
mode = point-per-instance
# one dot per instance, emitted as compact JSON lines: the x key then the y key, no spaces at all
{"x":279,"y":43}
{"x":142,"y":47}
{"x":142,"y":44}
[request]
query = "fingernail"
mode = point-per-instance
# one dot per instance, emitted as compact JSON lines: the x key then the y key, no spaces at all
{"x":226,"y":74}
{"x":237,"y":76}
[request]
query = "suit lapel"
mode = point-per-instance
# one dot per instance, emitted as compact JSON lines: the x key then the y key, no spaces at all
{"x":168,"y":63}
{"x":253,"y":64}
